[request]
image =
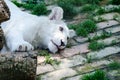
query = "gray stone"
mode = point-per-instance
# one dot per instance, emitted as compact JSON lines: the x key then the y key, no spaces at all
{"x":92,"y":66}
{"x":83,"y":48}
{"x":106,"y":24}
{"x":73,"y":61}
{"x":44,"y":68}
{"x":104,"y":52}
{"x":74,"y":78}
{"x":59,"y":74}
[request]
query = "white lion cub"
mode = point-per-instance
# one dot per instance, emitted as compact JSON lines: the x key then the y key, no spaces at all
{"x":24,"y":32}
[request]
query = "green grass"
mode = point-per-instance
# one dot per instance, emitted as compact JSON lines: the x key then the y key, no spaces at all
{"x":40,"y":9}
{"x":88,"y":8}
{"x":68,"y":7}
{"x":115,"y":2}
{"x":84,"y":28}
{"x":114,"y":65}
{"x":43,"y":53}
{"x":95,"y":46}
{"x":48,"y":60}
{"x":98,"y":75}
{"x":36,"y":9}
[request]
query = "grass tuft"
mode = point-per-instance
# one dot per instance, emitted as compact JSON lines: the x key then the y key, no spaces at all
{"x":98,"y":75}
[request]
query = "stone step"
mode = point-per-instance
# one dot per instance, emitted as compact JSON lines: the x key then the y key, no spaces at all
{"x":92,"y":66}
{"x":83,"y":48}
{"x":104,"y":52}
{"x":44,"y":68}
{"x":108,"y":16}
{"x":111,"y":28}
{"x":106,"y":24}
{"x":59,"y":74}
{"x":70,"y":62}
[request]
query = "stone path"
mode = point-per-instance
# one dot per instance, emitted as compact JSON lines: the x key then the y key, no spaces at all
{"x":74,"y":60}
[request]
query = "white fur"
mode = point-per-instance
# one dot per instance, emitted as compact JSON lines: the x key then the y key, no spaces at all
{"x":24,"y":31}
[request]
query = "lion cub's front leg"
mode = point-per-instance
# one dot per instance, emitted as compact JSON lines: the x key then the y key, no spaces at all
{"x":15,"y":42}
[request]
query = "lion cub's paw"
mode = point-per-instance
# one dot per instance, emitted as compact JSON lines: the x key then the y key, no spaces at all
{"x":22,"y":46}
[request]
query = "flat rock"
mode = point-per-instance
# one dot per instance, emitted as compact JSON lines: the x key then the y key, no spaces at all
{"x":108,"y":16}
{"x":106,"y":24}
{"x":92,"y":66}
{"x":71,"y":62}
{"x":104,"y":52}
{"x":44,"y":68}
{"x":59,"y":74}
{"x":74,"y":78}
{"x":83,"y":48}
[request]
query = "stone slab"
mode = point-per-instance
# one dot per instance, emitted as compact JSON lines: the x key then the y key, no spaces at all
{"x":83,"y":48}
{"x":59,"y":74}
{"x":44,"y":68}
{"x":104,"y":52}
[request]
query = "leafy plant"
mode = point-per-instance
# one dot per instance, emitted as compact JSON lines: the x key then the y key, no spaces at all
{"x":115,"y":2}
{"x":16,"y":3}
{"x":88,"y":8}
{"x":93,"y":1}
{"x":40,"y":9}
{"x":48,"y":60}
{"x":43,"y":53}
{"x":94,"y":46}
{"x":98,"y":75}
{"x":114,"y":65}
{"x":68,"y":7}
{"x":86,"y":27}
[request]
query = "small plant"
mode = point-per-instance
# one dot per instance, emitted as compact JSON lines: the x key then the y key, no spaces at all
{"x":100,"y":11}
{"x":114,"y":65}
{"x":89,"y":59}
{"x":94,"y":46}
{"x":43,"y":53}
{"x":68,"y":7}
{"x":16,"y":3}
{"x":93,"y":1}
{"x":115,"y":2}
{"x":86,"y":27}
{"x":48,"y":60}
{"x":40,"y":9}
{"x":88,"y":8}
{"x":98,"y":75}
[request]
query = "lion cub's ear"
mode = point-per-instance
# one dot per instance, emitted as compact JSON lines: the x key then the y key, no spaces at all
{"x":56,"y":14}
{"x":72,"y":33}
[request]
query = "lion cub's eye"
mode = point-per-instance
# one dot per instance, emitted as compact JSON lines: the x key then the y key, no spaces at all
{"x":61,"y":28}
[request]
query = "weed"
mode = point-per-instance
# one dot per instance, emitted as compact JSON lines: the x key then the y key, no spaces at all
{"x":93,"y":1}
{"x":16,"y":3}
{"x":86,"y":27}
{"x":98,"y":75}
{"x":43,"y":53}
{"x":89,"y":59}
{"x":94,"y":46}
{"x":114,"y":65}
{"x":40,"y":9}
{"x":68,"y":7}
{"x":88,"y":8}
{"x":48,"y":60}
{"x":100,"y":11}
{"x":115,"y":2}
{"x":37,"y":9}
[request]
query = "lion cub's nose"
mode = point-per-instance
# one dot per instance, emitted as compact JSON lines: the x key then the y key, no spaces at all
{"x":62,"y":43}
